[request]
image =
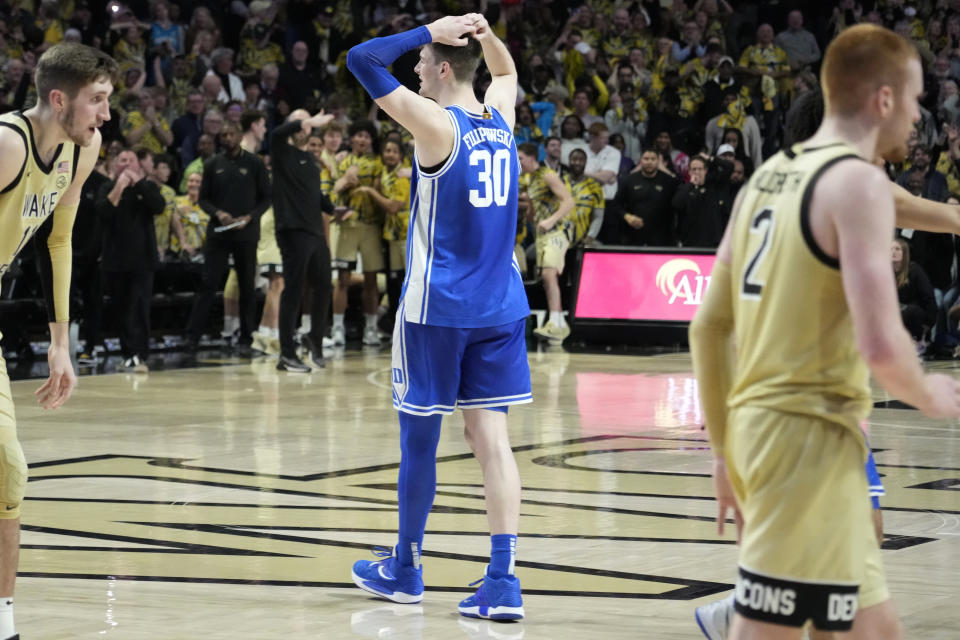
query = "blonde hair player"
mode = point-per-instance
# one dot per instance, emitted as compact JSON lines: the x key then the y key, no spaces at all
{"x":48,"y":151}
{"x":784,"y":413}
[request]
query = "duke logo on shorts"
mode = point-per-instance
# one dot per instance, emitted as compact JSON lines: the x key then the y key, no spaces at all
{"x":459,"y":336}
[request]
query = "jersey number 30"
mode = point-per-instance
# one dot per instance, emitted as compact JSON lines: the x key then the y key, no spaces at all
{"x":494,"y":177}
{"x":762,"y":222}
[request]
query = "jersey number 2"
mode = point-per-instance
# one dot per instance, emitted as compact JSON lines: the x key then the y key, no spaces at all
{"x":762,"y":222}
{"x":494,"y":176}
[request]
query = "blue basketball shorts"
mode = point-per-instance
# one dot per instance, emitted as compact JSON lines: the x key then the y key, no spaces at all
{"x":438,"y":369}
{"x":873,"y":479}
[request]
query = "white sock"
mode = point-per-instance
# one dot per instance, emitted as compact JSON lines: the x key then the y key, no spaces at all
{"x":7,"y":629}
{"x":230,"y":324}
{"x":305,"y":323}
{"x":556,"y":317}
{"x":274,"y":333}
{"x":338,"y":320}
{"x":264,"y":330}
{"x":371,"y":321}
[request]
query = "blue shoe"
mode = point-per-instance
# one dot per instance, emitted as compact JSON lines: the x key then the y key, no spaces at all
{"x":388,"y":579}
{"x":496,"y":599}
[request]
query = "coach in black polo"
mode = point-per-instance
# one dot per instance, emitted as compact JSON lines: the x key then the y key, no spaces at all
{"x":298,"y":205}
{"x":235,"y":192}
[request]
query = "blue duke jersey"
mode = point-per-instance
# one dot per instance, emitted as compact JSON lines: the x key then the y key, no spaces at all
{"x":461,"y":269}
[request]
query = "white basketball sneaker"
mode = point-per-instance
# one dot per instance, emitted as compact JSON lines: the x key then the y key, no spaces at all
{"x":714,"y":618}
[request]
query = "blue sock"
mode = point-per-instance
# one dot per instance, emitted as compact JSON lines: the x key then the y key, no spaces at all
{"x":416,"y":482}
{"x":503,"y":554}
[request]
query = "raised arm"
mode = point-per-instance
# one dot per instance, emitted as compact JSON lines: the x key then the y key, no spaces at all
{"x":862,"y":213}
{"x":502,"y":92}
{"x":422,"y":117}
{"x":914,"y":212}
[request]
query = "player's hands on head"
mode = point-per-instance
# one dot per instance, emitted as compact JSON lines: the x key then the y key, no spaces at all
{"x":452,"y":30}
{"x":59,"y":386}
{"x":480,"y":25}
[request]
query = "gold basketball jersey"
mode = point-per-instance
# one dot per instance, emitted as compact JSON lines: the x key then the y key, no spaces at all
{"x":31,"y":198}
{"x":796,"y":351}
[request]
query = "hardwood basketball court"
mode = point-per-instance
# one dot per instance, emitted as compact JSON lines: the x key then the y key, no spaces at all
{"x":229,"y":502}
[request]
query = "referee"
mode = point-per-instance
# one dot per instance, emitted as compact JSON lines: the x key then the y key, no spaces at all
{"x":298,"y":205}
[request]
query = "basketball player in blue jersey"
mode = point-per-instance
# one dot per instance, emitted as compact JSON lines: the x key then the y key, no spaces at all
{"x":459,"y":335}
{"x":47,"y":154}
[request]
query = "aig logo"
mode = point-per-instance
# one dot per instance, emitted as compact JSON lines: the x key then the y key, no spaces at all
{"x":680,"y":279}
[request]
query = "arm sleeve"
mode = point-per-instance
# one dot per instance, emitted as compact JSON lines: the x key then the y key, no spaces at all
{"x":56,"y":263}
{"x":369,"y":60}
{"x":710,"y":334}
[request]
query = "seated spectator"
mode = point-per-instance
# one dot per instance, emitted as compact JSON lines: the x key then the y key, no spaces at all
{"x":690,"y":45}
{"x":188,"y":127}
{"x":130,"y":51}
{"x":799,"y":44}
{"x":164,"y":31}
{"x":526,"y":129}
{"x":603,"y":160}
{"x":626,"y":164}
{"x":206,"y":147}
{"x":721,"y":82}
{"x":190,"y":221}
{"x":178,"y":82}
{"x":257,"y":50}
{"x":934,"y":182}
{"x":552,"y":151}
{"x":231,"y":85}
{"x":571,"y":136}
{"x":735,"y":116}
{"x":145,"y":127}
{"x":583,"y":107}
{"x":676,"y":160}
{"x":198,"y":59}
{"x":164,"y":220}
{"x":733,"y":138}
{"x":299,"y":79}
{"x":627,"y":117}
{"x":233,"y":111}
{"x":918,"y":307}
{"x":212,"y":88}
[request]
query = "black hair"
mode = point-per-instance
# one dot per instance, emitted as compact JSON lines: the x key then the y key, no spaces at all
{"x":529,"y":148}
{"x":804,"y":117}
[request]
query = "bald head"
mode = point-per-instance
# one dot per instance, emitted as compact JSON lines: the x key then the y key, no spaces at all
{"x":298,"y":114}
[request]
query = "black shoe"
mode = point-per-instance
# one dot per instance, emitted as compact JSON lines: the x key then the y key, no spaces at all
{"x":314,"y":350}
{"x":244,"y":351}
{"x":293,"y":365}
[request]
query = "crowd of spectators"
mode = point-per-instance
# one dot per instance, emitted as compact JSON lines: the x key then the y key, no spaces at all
{"x":673,"y":104}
